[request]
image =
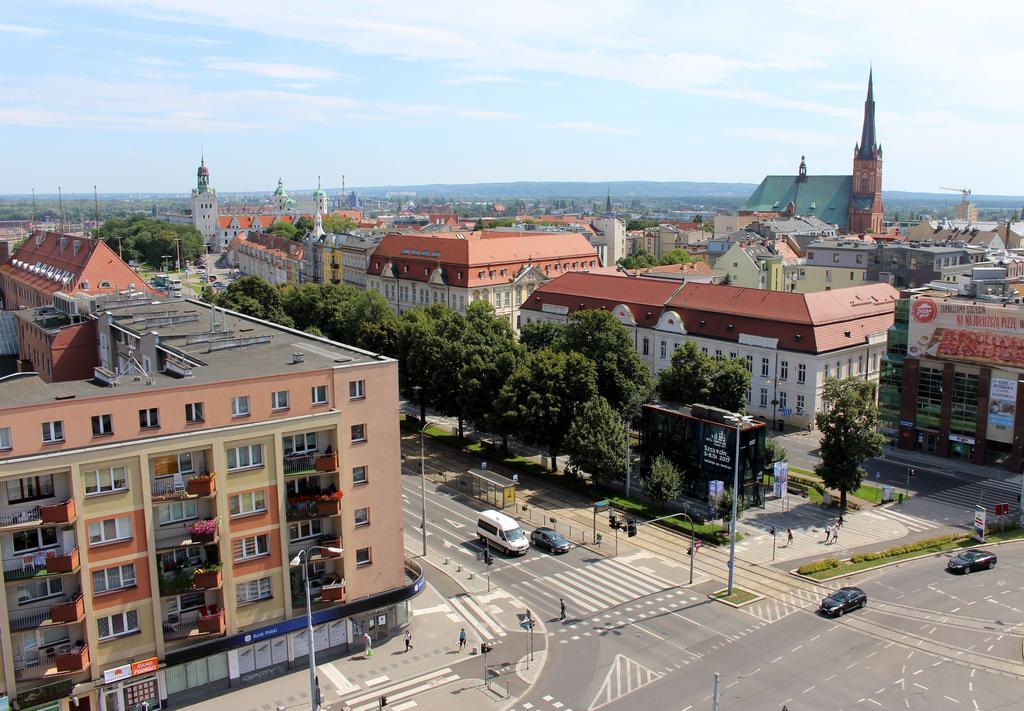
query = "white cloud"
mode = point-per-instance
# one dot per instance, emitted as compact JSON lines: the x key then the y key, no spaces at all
{"x":282,"y":70}
{"x":587,"y":126}
{"x":487,"y":115}
{"x":483,"y":79}
{"x":24,"y":30}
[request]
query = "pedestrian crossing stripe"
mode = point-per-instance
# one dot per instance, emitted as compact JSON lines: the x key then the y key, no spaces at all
{"x":401,"y":690}
{"x":912,"y":522}
{"x":624,"y":677}
{"x":477,"y":618}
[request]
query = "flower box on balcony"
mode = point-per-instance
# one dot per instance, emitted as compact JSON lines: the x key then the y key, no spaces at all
{"x":58,"y":513}
{"x":57,"y":564}
{"x":329,"y":507}
{"x":333,"y":593}
{"x":208,"y":579}
{"x":200,"y":486}
{"x":203,"y":531}
{"x":67,"y":612}
{"x":212,"y":624}
{"x":73,"y":661}
{"x":327,"y":463}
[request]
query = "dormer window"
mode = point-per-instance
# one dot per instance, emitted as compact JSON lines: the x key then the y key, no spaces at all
{"x":460,"y":276}
{"x":104,"y":284}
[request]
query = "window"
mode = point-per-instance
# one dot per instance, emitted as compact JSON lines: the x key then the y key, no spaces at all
{"x":299,"y":443}
{"x":801,"y":373}
{"x":5,"y":438}
{"x":782,"y":399}
{"x":304,"y":529}
{"x":177,"y":511}
{"x":252,"y":547}
{"x":248,"y":503}
{"x":764,"y":367}
{"x":664,"y":349}
{"x":250,"y":455}
{"x":764,"y":397}
{"x":172,"y":464}
{"x":193,"y":412}
{"x":149,"y":417}
{"x":102,"y":425}
{"x":359,"y":433}
{"x":359,"y":475}
{"x":34,"y":539}
{"x":110,"y":530}
{"x":362,"y":517}
{"x":826,"y":371}
{"x":53,"y":431}
{"x":646,"y":346}
{"x":253,"y":591}
{"x":279,"y":400}
{"x":120,"y":576}
{"x":30,"y":488}
{"x":40,"y":590}
{"x":240,"y":406}
{"x":363,"y":557}
{"x":356,"y":389}
{"x":783,"y":369}
{"x":105,"y":481}
{"x":799,"y":403}
{"x":750,"y":363}
{"x":118,"y":625}
{"x":319,"y":393}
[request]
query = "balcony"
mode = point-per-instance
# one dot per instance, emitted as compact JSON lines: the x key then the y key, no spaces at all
{"x":306,"y":506}
{"x":41,"y":563}
{"x":179,"y":487}
{"x":55,"y":660}
{"x":185,"y":579}
{"x":310,"y":462}
{"x":184,"y":534}
{"x":63,"y":512}
{"x":195,"y":623}
{"x":32,"y":515}
{"x":69,"y":610}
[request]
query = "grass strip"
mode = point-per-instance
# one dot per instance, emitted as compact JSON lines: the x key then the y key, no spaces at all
{"x":738,"y":597}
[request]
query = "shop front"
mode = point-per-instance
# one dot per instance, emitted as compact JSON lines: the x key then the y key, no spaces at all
{"x":132,"y":687}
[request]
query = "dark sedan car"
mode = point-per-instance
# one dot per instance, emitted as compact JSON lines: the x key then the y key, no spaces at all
{"x":972,"y":560}
{"x":842,"y":601}
{"x":551,"y":539}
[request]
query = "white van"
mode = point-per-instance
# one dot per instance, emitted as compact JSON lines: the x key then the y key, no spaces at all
{"x":503,"y":532}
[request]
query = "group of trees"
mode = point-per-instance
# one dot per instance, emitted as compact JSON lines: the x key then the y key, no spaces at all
{"x":695,"y":376}
{"x":643,"y":259}
{"x":295,"y":231}
{"x":154,"y":242}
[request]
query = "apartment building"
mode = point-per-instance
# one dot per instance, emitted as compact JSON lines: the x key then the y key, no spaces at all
{"x":148,"y":513}
{"x":277,"y":260}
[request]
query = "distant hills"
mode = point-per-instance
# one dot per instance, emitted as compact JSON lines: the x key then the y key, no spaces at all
{"x":529,"y":190}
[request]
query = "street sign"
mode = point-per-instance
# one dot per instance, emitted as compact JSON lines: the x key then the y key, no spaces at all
{"x":601,"y":505}
{"x":1002,"y":509}
{"x":515,"y":478}
{"x":979,"y":523}
{"x":785,"y":411}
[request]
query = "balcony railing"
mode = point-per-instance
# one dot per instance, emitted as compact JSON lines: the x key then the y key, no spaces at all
{"x":179,"y":535}
{"x":54,"y":561}
{"x":295,"y":464}
{"x":63,"y":512}
{"x":301,"y":510}
{"x":68,"y":610}
{"x":193,"y":485}
{"x":20,"y":515}
{"x":61,"y":658}
{"x":192,"y":623}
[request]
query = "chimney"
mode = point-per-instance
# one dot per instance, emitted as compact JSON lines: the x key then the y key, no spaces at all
{"x":75,"y":246}
{"x":5,"y":250}
{"x":63,"y":244}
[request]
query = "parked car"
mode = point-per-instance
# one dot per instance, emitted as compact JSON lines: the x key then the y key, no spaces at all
{"x":971,"y":560}
{"x":219,"y":286}
{"x":212,"y":277}
{"x":550,"y":539}
{"x":842,"y":601}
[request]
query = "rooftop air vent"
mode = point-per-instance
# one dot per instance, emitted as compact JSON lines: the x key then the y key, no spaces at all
{"x":298,"y":357}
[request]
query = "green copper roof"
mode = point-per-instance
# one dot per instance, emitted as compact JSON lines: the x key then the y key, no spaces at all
{"x":827,"y":197}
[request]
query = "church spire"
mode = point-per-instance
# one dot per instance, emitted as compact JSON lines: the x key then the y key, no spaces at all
{"x":868,"y":148}
{"x":608,"y":200}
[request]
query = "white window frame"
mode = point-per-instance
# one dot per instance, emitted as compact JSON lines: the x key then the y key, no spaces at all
{"x":149,"y":418}
{"x":314,"y":527}
{"x":125,"y":578}
{"x":247,"y":503}
{"x":122,"y":531}
{"x":279,"y":400}
{"x":361,"y":517}
{"x":253,"y":591}
{"x":783,"y":370}
{"x":352,"y":432}
{"x":356,"y":389}
{"x":253,"y":452}
{"x":53,"y":586}
{"x":186,"y":510}
{"x":192,"y":409}
{"x":105,"y":422}
{"x":103,"y":481}
{"x":318,"y":395}
{"x":369,"y":557}
{"x":53,"y":431}
{"x":288,"y":443}
{"x":252,"y":547}
{"x":765,"y":364}
{"x":5,"y":438}
{"x":240,"y":406}
{"x":127,"y":619}
{"x":801,"y":373}
{"x":763,"y":397}
{"x":364,"y":479}
{"x":800,"y":402}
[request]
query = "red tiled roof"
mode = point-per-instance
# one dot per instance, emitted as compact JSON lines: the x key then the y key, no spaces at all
{"x":270,"y":243}
{"x":92,"y":262}
{"x":577,"y":291}
{"x":244,"y":221}
{"x":224,"y":221}
{"x":473,"y":252}
{"x":814,"y":323}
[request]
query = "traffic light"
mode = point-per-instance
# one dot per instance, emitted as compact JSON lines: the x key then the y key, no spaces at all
{"x":772,"y":530}
{"x":487,"y":556}
{"x":630,"y":527}
{"x":912,"y":472}
{"x":613,"y":522}
{"x":485,"y":648}
{"x":383,"y":701}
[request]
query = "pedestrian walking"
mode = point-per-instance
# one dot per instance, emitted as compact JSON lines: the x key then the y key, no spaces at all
{"x":462,"y":638}
{"x":368,"y":643}
{"x":789,"y":537}
{"x":408,"y":640}
{"x":840,"y":520}
{"x":561,"y":609}
{"x":835,"y":533}
{"x":828,"y":532}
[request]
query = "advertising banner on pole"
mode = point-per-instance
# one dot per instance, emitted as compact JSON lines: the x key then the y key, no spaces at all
{"x":979,"y":524}
{"x":781,"y":478}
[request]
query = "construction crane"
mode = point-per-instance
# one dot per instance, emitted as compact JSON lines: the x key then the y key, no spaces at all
{"x":963,"y":191}
{"x":965,"y":211}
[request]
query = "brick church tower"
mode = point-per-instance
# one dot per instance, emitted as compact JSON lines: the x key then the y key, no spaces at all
{"x":866,"y":211}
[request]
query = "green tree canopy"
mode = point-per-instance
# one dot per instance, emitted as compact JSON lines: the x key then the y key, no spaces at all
{"x":723,"y":508}
{"x":596,"y":442}
{"x":338,"y":224}
{"x":545,"y":334}
{"x":255,"y":297}
{"x":303,"y":225}
{"x":147,"y":240}
{"x":696,"y":377}
{"x":849,"y":434}
{"x":283,"y":229}
{"x":638,"y":260}
{"x":664,"y":483}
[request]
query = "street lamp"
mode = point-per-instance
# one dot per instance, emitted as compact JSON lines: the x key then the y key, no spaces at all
{"x":423,"y":479}
{"x":296,"y":561}
{"x":738,"y":420}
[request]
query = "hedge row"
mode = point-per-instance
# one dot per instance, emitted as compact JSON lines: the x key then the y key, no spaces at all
{"x":909,"y":548}
{"x":818,"y":565}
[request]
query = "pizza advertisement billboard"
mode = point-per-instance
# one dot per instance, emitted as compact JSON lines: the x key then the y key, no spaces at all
{"x":966,"y":331}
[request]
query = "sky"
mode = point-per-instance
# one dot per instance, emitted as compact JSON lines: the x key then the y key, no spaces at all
{"x":125,"y":94}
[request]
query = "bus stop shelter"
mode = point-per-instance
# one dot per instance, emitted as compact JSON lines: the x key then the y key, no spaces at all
{"x":497,"y":490}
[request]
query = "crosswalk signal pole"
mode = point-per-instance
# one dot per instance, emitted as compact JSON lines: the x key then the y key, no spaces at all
{"x":714,"y":695}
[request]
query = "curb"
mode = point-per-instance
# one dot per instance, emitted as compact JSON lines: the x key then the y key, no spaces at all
{"x":757,"y":597}
{"x":897,"y":562}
